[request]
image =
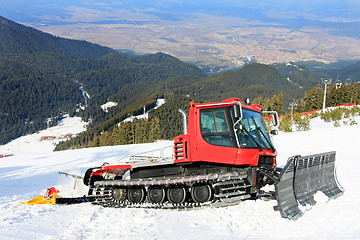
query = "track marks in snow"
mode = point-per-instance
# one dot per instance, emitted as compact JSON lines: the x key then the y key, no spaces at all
{"x":19,"y":220}
{"x":96,"y":222}
{"x":78,"y":225}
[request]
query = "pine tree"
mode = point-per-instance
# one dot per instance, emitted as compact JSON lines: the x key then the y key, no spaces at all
{"x":302,"y":122}
{"x":266,"y":104}
{"x":354,"y":93}
{"x":313,"y":100}
{"x":286,"y":123}
{"x":132,"y":134}
{"x":299,"y":106}
{"x":333,"y":97}
{"x":115,"y":136}
{"x":146,"y":131}
{"x":105,"y":139}
{"x":96,"y":141}
{"x":155,"y":129}
{"x":125,"y":133}
{"x":138,"y":132}
{"x":258,"y":100}
{"x":276,"y":103}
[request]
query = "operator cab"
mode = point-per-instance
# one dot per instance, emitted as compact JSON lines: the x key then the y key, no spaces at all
{"x":234,"y":126}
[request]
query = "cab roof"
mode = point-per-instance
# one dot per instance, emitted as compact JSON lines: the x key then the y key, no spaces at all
{"x":225,"y":103}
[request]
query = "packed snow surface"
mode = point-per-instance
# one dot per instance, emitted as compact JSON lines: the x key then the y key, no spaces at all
{"x":23,"y":177}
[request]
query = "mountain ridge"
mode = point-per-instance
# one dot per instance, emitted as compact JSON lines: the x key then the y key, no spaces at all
{"x":17,"y":38}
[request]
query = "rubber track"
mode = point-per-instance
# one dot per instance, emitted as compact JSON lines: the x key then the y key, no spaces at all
{"x":228,"y":189}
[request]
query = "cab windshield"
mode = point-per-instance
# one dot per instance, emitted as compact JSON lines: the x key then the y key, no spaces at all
{"x":252,"y":132}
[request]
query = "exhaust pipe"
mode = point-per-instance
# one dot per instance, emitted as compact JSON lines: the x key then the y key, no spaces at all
{"x":184,"y":120}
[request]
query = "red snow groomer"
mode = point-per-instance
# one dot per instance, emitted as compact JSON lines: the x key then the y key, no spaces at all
{"x":225,"y":155}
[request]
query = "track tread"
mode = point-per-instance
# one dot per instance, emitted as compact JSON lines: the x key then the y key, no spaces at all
{"x":227,"y":189}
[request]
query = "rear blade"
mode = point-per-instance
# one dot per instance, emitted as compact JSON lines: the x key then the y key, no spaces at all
{"x":301,"y":178}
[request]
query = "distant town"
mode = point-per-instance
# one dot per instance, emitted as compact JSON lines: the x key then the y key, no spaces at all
{"x":226,"y":47}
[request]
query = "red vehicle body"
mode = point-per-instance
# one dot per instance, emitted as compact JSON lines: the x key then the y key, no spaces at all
{"x":222,"y":142}
{"x":196,"y":148}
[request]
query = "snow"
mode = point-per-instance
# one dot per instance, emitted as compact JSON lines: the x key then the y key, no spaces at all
{"x":85,"y":94}
{"x":108,"y":105}
{"x":23,"y":177}
{"x":32,"y":143}
{"x":288,"y":79}
{"x":159,"y":102}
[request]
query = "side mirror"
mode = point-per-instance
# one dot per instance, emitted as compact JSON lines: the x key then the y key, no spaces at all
{"x":274,"y":117}
{"x":237,"y":111}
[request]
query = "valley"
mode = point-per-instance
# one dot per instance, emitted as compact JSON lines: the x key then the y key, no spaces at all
{"x":212,"y":44}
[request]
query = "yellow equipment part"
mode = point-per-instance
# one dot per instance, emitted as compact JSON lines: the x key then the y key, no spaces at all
{"x":41,"y":200}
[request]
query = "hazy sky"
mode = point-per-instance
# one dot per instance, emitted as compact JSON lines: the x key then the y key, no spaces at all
{"x":323,"y":26}
{"x":52,"y":11}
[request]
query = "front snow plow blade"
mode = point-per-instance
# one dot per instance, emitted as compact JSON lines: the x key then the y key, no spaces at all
{"x":301,"y":178}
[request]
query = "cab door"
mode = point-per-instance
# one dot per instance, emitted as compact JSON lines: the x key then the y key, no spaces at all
{"x":215,"y":141}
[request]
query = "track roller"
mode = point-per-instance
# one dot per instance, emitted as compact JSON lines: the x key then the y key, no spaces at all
{"x":136,"y":195}
{"x":201,"y":192}
{"x":176,"y":194}
{"x":156,"y":194}
{"x":119,"y":194}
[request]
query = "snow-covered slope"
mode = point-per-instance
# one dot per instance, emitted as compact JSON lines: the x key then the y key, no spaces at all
{"x":145,"y":115}
{"x":45,"y":140}
{"x":26,"y":176}
{"x":105,"y":107}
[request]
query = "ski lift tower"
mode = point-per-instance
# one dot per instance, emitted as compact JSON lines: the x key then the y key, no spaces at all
{"x":291,"y":107}
{"x":348,"y":81}
{"x":325,"y":81}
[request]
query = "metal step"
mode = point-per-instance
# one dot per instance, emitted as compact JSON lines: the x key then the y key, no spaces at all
{"x":235,"y":199}
{"x":225,"y":183}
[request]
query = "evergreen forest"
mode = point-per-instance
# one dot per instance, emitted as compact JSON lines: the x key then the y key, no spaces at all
{"x":43,"y":77}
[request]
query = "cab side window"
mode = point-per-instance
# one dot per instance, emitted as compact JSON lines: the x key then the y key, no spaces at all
{"x":215,"y":127}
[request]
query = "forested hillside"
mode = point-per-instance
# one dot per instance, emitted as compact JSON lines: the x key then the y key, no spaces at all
{"x":19,"y":39}
{"x":166,"y":122}
{"x":251,"y":81}
{"x":342,"y":71}
{"x":127,"y":79}
{"x":32,"y":98}
{"x":42,"y":77}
